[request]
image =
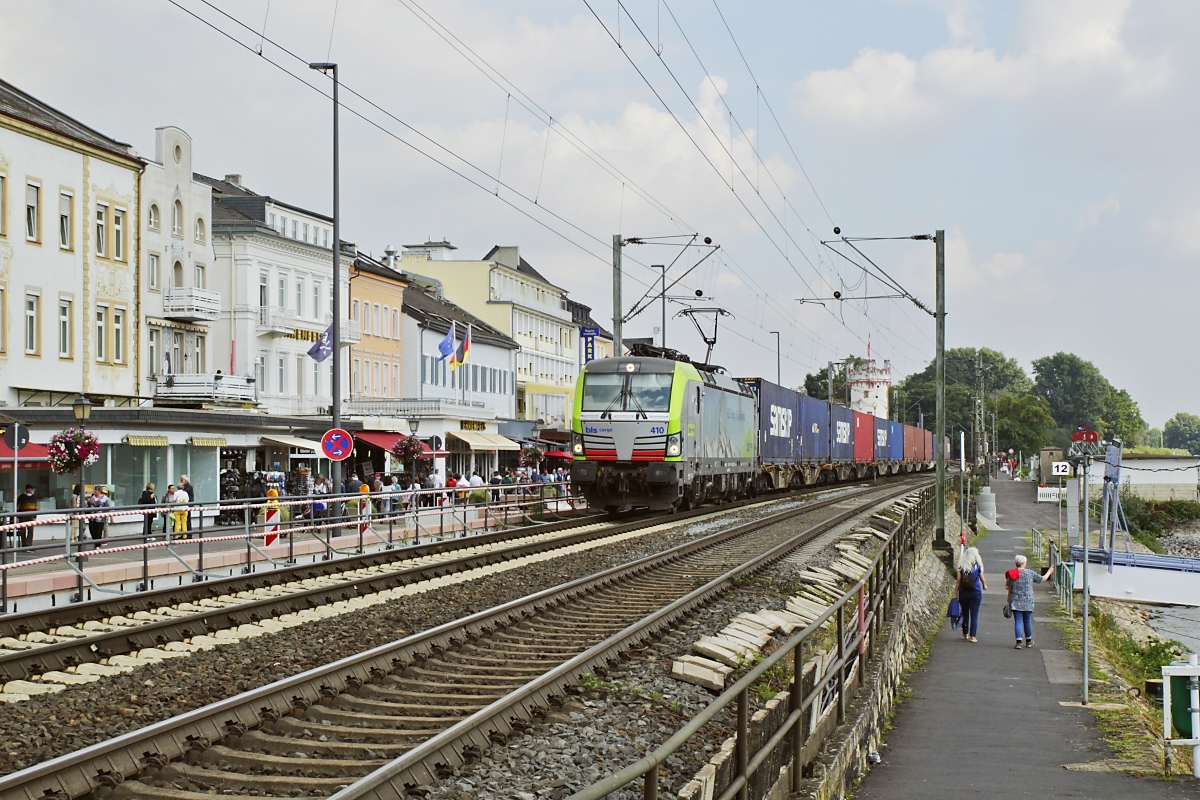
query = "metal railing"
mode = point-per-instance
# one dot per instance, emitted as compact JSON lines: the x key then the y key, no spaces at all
{"x":858,"y":618}
{"x":190,"y":303}
{"x":276,"y":318}
{"x":187,"y":533}
{"x":1046,"y":550}
{"x":230,"y":388}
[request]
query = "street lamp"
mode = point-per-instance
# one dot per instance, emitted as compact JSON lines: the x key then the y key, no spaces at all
{"x":335,"y":468}
{"x":413,"y":424}
{"x":82,"y":409}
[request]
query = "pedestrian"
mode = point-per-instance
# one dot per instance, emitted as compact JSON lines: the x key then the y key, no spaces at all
{"x":1020,"y":583}
{"x":96,"y":525}
{"x":179,"y":517}
{"x":476,"y":481}
{"x":186,"y":486}
{"x":494,"y":482}
{"x":27,"y":513}
{"x":147,"y":499}
{"x":970,"y":586}
{"x":354,"y":484}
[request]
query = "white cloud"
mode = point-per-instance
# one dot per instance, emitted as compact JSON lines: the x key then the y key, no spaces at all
{"x":1066,"y":46}
{"x":1091,"y":215}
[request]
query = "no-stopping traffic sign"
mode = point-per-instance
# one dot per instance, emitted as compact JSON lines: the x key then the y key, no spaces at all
{"x":337,"y":445}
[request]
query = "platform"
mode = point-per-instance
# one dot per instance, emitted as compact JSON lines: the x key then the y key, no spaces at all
{"x":987,"y":719}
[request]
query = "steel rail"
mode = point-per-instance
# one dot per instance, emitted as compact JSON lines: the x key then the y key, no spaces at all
{"x":110,"y":762}
{"x":438,"y":756}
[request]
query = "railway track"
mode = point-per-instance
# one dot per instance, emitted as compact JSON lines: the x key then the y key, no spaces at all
{"x":57,"y":646}
{"x":408,"y":712}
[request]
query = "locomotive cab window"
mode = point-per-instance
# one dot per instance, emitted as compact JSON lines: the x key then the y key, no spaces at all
{"x":649,"y":391}
{"x":601,"y":391}
{"x":631,"y":391}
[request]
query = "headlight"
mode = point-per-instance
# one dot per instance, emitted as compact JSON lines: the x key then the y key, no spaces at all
{"x":576,"y":444}
{"x":674,"y":444}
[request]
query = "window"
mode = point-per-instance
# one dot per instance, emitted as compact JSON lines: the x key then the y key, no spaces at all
{"x":395,"y":380}
{"x":375,"y":320}
{"x":325,"y":236}
{"x":316,"y":298}
{"x":3,"y":203}
{"x":64,"y":328}
{"x":294,"y":229}
{"x":299,"y":297}
{"x":281,"y":292}
{"x":33,"y":205}
{"x":176,"y":363}
{"x":306,"y":232}
{"x":354,"y":312}
{"x":366,"y":317}
{"x":281,"y":366}
{"x":316,"y":384}
{"x":177,"y":219}
{"x":65,"y":202}
{"x":118,"y":336}
{"x":152,"y":270}
{"x":282,"y":226}
{"x":261,"y":369}
{"x":199,"y":230}
{"x":201,"y":279}
{"x":153,"y":221}
{"x":273,"y":225}
{"x":355,"y":378}
{"x":101,"y":229}
{"x":152,"y":349}
{"x":101,"y":333}
{"x":201,"y":355}
{"x":395,"y":323}
{"x":262,"y":290}
{"x":300,"y":375}
{"x":387,"y":331}
{"x":375,"y":381}
{"x":33,"y":339}
{"x":177,"y":275}
{"x":119,"y":235}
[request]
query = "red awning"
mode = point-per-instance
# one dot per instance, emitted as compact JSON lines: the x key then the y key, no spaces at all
{"x":387,"y":440}
{"x":30,"y":452}
{"x":558,"y":454}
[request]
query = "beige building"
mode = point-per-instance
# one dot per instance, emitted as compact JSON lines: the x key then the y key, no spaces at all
{"x":505,"y":290}
{"x":377,"y":303}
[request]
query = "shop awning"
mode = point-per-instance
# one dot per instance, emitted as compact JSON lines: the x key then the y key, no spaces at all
{"x":293,"y":441}
{"x":146,"y":440}
{"x":30,"y":452}
{"x":208,"y":441}
{"x":387,"y":440}
{"x":484,"y":441}
{"x":558,"y":454}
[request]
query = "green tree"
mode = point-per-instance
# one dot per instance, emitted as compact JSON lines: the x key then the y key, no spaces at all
{"x":1121,"y":417}
{"x":1183,"y":431}
{"x":1001,"y":374}
{"x":1074,"y":388}
{"x":1023,"y":422}
{"x":816,"y":384}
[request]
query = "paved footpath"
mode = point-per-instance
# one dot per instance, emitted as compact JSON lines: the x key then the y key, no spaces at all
{"x":984,"y":719}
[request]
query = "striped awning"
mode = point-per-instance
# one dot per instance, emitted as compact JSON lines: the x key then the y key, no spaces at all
{"x":208,"y":441}
{"x":146,"y":441}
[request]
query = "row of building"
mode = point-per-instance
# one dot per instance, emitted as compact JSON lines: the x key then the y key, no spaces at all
{"x":184,"y":306}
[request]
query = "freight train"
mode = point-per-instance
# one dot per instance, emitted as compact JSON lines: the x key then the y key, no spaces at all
{"x":669,"y":434}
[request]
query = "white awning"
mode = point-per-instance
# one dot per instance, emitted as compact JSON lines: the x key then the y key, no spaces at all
{"x":484,"y":441}
{"x":292,"y":441}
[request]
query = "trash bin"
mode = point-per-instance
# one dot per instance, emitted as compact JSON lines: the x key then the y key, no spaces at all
{"x":1181,"y":703}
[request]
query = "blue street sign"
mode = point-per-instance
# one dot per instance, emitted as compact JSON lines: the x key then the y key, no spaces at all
{"x":337,"y":444}
{"x":589,"y":349}
{"x":589,"y":331}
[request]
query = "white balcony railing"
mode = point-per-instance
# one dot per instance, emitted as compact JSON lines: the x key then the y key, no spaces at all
{"x":192,"y":305}
{"x":206,"y":387}
{"x":415,"y":407}
{"x":276,"y":319}
{"x":294,"y":406}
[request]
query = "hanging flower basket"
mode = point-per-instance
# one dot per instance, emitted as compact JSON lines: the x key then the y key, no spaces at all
{"x":70,"y":449}
{"x":407,"y":448}
{"x":531,"y":455}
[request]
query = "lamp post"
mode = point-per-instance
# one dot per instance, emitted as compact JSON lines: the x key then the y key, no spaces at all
{"x":82,"y":409}
{"x":413,"y":424}
{"x":663,"y":267}
{"x":335,"y":467}
{"x":778,"y":363}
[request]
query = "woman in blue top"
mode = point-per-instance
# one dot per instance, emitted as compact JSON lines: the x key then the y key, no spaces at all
{"x":1020,"y":598}
{"x":970,"y":586}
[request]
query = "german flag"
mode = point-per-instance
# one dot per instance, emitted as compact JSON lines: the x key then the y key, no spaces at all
{"x":461,"y":352}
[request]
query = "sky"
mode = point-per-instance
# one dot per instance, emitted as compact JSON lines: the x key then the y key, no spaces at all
{"x":1052,"y":141}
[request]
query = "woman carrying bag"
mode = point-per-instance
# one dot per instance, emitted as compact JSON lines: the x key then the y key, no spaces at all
{"x":1020,"y":598}
{"x":969,"y":586}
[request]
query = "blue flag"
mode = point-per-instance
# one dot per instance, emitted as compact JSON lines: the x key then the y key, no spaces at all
{"x":446,"y":346}
{"x":323,"y":347}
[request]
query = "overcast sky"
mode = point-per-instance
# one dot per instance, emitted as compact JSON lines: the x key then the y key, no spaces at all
{"x":1053,"y":141}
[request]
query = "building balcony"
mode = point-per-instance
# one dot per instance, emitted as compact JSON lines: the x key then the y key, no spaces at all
{"x":233,"y":389}
{"x":192,"y":305}
{"x":290,"y":405}
{"x":414,"y":407}
{"x":273,"y":319}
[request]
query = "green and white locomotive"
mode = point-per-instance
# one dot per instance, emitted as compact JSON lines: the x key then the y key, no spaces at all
{"x":661,"y":434}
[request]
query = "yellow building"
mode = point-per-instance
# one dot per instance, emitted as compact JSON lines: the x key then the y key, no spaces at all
{"x":505,"y":291}
{"x":376,"y":302}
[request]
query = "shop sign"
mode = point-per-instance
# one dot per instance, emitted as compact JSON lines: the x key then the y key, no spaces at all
{"x":472,"y":425}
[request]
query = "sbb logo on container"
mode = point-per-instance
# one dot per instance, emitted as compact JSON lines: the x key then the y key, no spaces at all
{"x":843,"y":432}
{"x":781,"y":421}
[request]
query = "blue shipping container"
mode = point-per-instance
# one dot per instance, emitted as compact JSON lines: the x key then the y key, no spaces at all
{"x":895,"y":441}
{"x":842,"y":435}
{"x":779,"y":423}
{"x":882,"y":451}
{"x":814,"y":433}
